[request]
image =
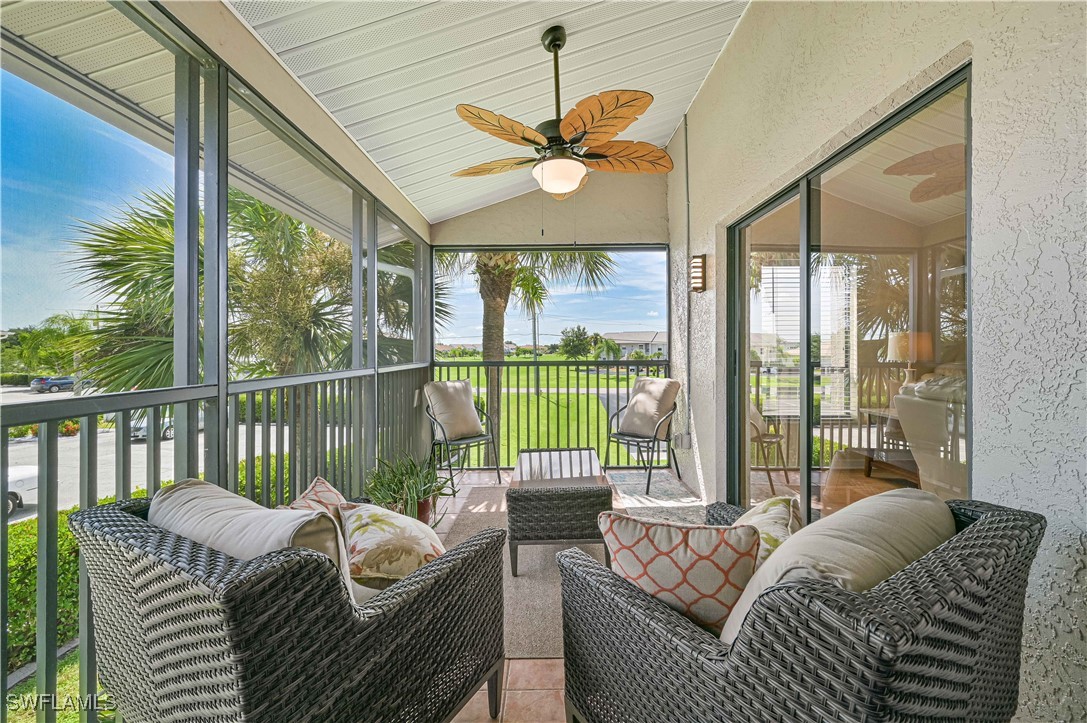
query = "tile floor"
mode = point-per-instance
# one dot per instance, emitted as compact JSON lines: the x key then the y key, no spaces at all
{"x":532,"y":689}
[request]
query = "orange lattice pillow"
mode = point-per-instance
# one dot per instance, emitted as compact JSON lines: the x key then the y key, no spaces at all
{"x":699,"y":571}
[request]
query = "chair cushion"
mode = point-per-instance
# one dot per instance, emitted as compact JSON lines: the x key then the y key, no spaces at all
{"x":856,"y":548}
{"x":385,"y":546}
{"x":452,"y":405}
{"x":697,"y":570}
{"x":241,"y":528}
{"x":320,"y":496}
{"x":650,"y":399}
{"x":776,"y":519}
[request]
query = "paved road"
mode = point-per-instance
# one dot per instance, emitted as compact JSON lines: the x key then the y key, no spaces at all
{"x":21,"y":395}
{"x":26,"y":453}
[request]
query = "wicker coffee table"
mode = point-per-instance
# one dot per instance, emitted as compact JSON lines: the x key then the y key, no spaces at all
{"x":554,"y":497}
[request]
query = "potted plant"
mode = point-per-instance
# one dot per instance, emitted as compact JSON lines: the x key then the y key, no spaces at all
{"x":409,"y":487}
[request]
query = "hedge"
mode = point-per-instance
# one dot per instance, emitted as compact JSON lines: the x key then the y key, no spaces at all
{"x":16,"y":380}
{"x":23,"y":570}
{"x":23,"y":581}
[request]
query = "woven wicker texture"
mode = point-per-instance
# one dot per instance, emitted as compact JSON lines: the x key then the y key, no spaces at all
{"x":556,"y":513}
{"x":187,"y":633}
{"x":940,"y":640}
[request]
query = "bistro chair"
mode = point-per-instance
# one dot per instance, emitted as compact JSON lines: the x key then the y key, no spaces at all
{"x":458,"y":423}
{"x":645,"y":422}
{"x":766,"y":441}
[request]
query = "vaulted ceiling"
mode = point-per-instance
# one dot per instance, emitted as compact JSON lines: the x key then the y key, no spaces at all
{"x":392,"y":73}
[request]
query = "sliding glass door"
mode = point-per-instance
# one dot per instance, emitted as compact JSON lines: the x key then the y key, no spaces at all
{"x":851,"y":294}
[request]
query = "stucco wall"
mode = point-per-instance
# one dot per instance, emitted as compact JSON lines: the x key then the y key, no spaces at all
{"x":613,"y":208}
{"x":797,"y":81}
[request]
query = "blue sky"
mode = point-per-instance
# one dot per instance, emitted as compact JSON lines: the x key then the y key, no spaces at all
{"x":637,"y":301}
{"x":58,"y":164}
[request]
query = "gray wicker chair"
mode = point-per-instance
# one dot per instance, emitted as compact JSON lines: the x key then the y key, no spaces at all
{"x":186,"y":633}
{"x":940,"y":640}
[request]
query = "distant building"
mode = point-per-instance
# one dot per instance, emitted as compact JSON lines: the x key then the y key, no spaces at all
{"x":647,"y":342}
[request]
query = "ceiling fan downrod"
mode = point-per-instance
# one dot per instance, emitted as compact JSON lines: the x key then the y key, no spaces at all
{"x":554,"y":38}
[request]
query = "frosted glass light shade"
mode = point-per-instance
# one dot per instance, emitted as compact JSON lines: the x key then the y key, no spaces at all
{"x":559,"y":175}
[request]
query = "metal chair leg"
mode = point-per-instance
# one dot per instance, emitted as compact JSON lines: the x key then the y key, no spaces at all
{"x":649,"y":463}
{"x":497,"y":471}
{"x":674,"y":461}
{"x":760,"y":447}
{"x":607,"y":455}
{"x":784,"y":463}
{"x":449,"y":460}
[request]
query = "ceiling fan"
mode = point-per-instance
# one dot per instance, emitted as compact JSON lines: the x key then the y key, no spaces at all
{"x":945,"y":167}
{"x":567,"y":146}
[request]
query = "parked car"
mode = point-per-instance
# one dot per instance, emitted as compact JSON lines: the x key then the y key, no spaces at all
{"x":139,"y":429}
{"x":52,"y":384}
{"x":21,"y":478}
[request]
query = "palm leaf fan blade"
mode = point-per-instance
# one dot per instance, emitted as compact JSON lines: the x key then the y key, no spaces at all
{"x":629,"y":157}
{"x":500,"y":126}
{"x":599,"y":118}
{"x":492,"y":167}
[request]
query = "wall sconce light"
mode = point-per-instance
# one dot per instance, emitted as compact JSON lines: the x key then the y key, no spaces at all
{"x":698,"y":273}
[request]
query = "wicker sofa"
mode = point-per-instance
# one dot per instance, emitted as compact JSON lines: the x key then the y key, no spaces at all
{"x":184,"y":632}
{"x":940,"y":640}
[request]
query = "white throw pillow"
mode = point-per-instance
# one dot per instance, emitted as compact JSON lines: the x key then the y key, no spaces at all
{"x":241,"y":528}
{"x":856,"y":548}
{"x":650,"y":399}
{"x":452,"y":405}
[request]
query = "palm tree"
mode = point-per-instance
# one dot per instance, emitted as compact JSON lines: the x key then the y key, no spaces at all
{"x":604,"y":348}
{"x":289,"y":293}
{"x":523,"y":276}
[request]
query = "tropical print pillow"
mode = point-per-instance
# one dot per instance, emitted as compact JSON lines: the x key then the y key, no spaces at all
{"x":384,"y":546}
{"x":776,"y":519}
{"x":320,"y":496}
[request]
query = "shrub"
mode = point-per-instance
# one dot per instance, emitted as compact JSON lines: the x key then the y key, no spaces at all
{"x":23,"y":581}
{"x":15,"y":380}
{"x":69,"y":428}
{"x":22,"y":430}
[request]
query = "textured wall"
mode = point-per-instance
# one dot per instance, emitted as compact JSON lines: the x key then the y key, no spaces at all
{"x":796,"y":82}
{"x":613,"y":208}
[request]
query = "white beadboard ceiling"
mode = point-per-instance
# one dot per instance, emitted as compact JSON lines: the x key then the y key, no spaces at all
{"x":393,"y":73}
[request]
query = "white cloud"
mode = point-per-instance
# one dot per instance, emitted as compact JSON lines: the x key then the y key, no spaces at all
{"x":653,"y":313}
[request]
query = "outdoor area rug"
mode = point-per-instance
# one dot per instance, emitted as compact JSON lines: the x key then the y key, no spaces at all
{"x":533,"y":599}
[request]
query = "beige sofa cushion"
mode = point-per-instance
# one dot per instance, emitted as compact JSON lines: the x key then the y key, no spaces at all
{"x":241,"y":528}
{"x":650,"y":399}
{"x":452,"y":405}
{"x":856,"y":548}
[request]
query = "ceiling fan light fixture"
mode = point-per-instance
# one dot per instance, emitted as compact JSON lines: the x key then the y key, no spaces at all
{"x":559,"y":174}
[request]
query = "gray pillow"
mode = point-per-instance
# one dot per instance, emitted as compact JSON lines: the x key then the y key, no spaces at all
{"x":452,"y":405}
{"x":650,"y":399}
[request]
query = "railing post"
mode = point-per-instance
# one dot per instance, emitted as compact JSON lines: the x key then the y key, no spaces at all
{"x":88,"y":497}
{"x":46,"y":623}
{"x":4,"y":565}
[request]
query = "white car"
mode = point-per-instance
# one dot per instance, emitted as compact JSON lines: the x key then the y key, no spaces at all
{"x":139,"y":429}
{"x":22,"y":478}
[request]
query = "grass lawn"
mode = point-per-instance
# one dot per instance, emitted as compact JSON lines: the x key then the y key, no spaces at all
{"x":552,"y":420}
{"x":67,"y":691}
